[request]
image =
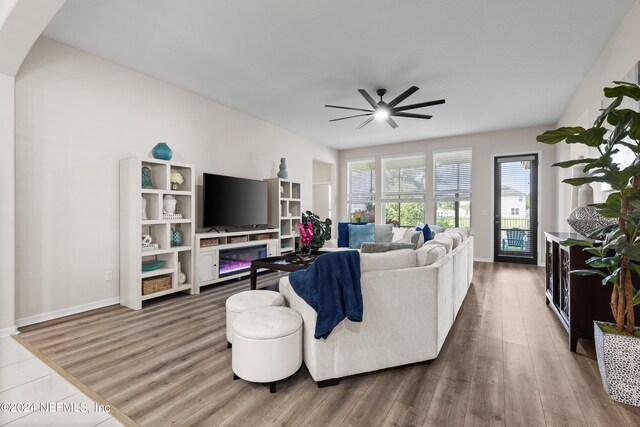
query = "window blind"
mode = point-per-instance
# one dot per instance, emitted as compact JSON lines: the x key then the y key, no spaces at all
{"x":452,"y":180}
{"x":403,"y":177}
{"x":362,"y":178}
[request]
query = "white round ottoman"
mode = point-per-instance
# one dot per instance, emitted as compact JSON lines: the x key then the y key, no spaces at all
{"x":246,"y":300}
{"x":267,"y":345}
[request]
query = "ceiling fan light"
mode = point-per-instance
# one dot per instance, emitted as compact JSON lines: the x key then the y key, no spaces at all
{"x":381,"y":114}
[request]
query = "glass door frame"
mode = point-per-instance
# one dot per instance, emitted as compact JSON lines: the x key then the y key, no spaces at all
{"x":534,"y":218}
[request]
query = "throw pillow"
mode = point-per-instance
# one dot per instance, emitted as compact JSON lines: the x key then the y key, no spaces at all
{"x":426,"y":232}
{"x":429,"y":254}
{"x":435,"y":229}
{"x":434,"y":242}
{"x":406,"y":241}
{"x":383,"y":233}
{"x":358,"y":234}
{"x":375,"y":247}
{"x":343,"y":233}
{"x":413,"y":235}
{"x":455,"y":236}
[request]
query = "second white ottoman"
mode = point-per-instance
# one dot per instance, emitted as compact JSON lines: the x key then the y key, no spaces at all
{"x":246,"y":300}
{"x":267,"y":345}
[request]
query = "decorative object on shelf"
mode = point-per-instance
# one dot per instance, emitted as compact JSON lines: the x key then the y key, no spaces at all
{"x":283,"y":169}
{"x":176,"y":237}
{"x":306,"y":235}
{"x":156,"y":284}
{"x":146,"y":239}
{"x":176,"y":180}
{"x":146,"y":178}
{"x":152,"y":265}
{"x":614,"y":352}
{"x":321,"y":229}
{"x":169,"y":204}
{"x":150,"y":247}
{"x":205,"y":243}
{"x":182,"y":278}
{"x":586,"y":219}
{"x":144,"y":208}
{"x":282,"y":189}
{"x":171,"y":216}
{"x":612,"y":261}
{"x":162,"y":151}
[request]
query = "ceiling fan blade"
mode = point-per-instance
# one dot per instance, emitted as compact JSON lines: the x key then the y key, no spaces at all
{"x":366,"y":122}
{"x":415,"y":116}
{"x":420,"y":105}
{"x":391,"y":122}
{"x":350,"y":117}
{"x":404,"y":95}
{"x":368,"y":97}
{"x":349,"y":108}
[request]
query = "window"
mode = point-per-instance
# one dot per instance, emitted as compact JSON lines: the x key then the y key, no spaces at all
{"x":452,"y":188}
{"x":403,"y":190}
{"x":361,"y":192}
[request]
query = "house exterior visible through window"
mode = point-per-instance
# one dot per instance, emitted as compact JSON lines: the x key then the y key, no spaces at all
{"x":361,"y":191}
{"x":452,"y":188}
{"x":403,"y":190}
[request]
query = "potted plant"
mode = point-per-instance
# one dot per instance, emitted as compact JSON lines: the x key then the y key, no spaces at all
{"x":321,"y":230}
{"x":616,"y":258}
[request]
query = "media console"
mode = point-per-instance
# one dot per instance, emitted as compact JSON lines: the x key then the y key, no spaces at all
{"x":224,"y":256}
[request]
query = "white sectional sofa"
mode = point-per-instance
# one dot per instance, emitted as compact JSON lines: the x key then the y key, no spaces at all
{"x":409,"y":309}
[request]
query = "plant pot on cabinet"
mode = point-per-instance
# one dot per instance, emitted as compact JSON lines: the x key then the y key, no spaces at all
{"x":619,"y":363}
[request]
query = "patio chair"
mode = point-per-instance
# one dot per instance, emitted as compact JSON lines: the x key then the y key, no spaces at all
{"x":515,"y":238}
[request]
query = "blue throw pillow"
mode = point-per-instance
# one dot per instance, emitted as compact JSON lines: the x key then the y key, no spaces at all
{"x":360,"y":234}
{"x":343,"y":233}
{"x":426,"y":232}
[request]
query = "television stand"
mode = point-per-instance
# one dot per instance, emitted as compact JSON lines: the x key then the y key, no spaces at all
{"x":224,"y":256}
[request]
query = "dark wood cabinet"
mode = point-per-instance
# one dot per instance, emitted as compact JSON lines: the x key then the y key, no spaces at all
{"x":576,"y":300}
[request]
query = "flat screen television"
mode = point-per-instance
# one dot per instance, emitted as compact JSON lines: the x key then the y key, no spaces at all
{"x":231,"y":201}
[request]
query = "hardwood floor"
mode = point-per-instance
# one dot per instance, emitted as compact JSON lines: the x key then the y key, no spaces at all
{"x":506,"y":361}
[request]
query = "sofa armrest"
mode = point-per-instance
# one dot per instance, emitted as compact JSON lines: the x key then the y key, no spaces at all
{"x":333,"y":243}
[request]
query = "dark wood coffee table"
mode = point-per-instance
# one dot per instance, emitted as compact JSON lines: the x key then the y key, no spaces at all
{"x":288,"y":262}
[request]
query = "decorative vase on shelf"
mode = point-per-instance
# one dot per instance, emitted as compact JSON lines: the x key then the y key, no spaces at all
{"x":146,"y":177}
{"x":182,"y":278}
{"x":144,"y":208}
{"x":176,"y":237}
{"x":175,"y":186}
{"x":169,"y":204}
{"x":283,"y":169}
{"x":162,"y":151}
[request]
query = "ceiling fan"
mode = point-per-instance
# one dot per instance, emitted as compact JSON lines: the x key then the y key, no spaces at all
{"x":384,"y":111}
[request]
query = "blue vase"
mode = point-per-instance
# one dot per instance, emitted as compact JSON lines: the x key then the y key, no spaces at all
{"x":176,"y":237}
{"x":162,"y":151}
{"x":283,"y":174}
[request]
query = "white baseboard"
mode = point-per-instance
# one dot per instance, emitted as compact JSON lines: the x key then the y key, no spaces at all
{"x":8,"y":331}
{"x":483,"y":260}
{"x":66,"y":311}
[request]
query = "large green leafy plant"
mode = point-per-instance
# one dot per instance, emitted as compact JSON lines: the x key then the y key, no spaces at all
{"x":615,"y":258}
{"x":321,"y":229}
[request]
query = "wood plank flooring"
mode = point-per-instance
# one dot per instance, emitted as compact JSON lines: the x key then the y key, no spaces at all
{"x":506,"y":361}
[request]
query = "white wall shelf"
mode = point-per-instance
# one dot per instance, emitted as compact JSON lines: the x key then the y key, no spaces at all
{"x":132,"y":227}
{"x":284,"y":211}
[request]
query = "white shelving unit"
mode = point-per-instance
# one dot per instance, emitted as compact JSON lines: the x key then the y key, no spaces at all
{"x":284,"y":211}
{"x":132,"y":227}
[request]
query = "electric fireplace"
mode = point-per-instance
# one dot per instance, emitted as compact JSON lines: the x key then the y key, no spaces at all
{"x":234,"y":261}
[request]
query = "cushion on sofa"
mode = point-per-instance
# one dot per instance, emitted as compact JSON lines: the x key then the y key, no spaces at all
{"x":394,"y":260}
{"x":445,"y":239}
{"x":343,"y":233}
{"x":383,"y":233}
{"x":358,"y":234}
{"x":455,"y":236}
{"x":375,"y":247}
{"x":464,"y":232}
{"x":398,"y":234}
{"x":428,"y":254}
{"x":426,"y":232}
{"x":433,"y":242}
{"x":415,"y":236}
{"x":435,"y":229}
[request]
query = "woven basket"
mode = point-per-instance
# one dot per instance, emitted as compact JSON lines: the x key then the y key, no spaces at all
{"x":265,"y":236}
{"x":208,"y":242}
{"x":156,"y":284}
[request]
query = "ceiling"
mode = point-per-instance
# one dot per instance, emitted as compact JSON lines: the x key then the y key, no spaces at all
{"x":499,"y":64}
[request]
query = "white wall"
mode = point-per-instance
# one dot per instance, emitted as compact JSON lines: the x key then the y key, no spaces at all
{"x":78,"y":115}
{"x":7,"y":206}
{"x":622,"y":52}
{"x":484,"y":145}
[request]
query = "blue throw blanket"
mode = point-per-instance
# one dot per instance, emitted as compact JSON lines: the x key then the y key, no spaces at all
{"x":331,"y":286}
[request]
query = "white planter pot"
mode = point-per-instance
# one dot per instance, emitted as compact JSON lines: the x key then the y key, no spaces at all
{"x":619,"y":363}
